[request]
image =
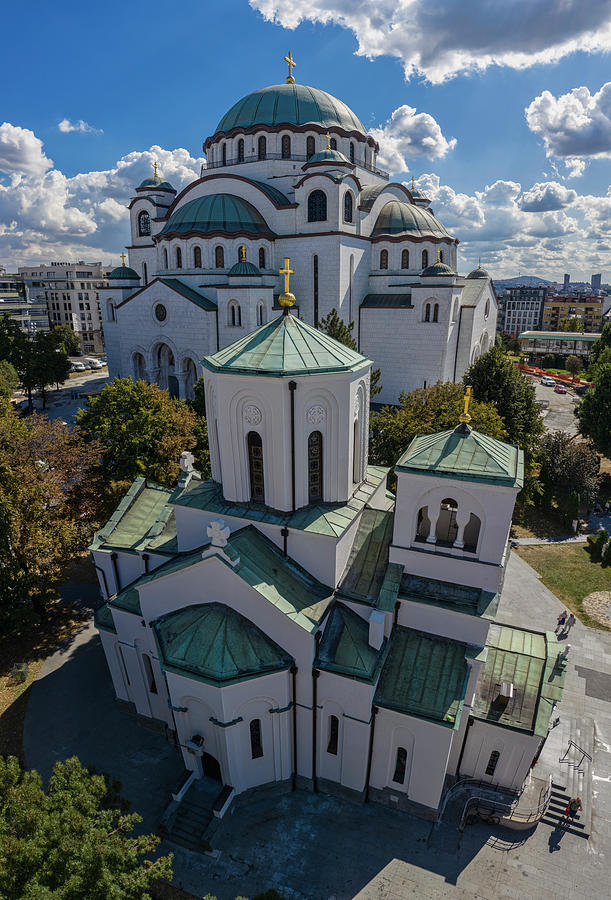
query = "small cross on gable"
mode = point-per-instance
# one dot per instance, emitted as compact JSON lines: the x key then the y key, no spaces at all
{"x":186,"y":462}
{"x":218,"y":533}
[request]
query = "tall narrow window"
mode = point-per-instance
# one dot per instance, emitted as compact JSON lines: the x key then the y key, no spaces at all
{"x":384,"y":259}
{"x":400,"y":765}
{"x":315,"y":467}
{"x":255,"y":464}
{"x":492,"y":762}
{"x":241,"y":150}
{"x":150,"y":675}
{"x":351,"y":152}
{"x":235,"y":314}
{"x":219,"y":258}
{"x":224,"y":154}
{"x":260,"y":314}
{"x":356,"y":453}
{"x":197,"y":258}
{"x":436,"y":313}
{"x":261,"y":148}
{"x":427,"y":312}
{"x":425,"y":258}
{"x":126,"y":673}
{"x":178,"y":258}
{"x":333,"y":735}
{"x":144,"y":224}
{"x":286,"y":146}
{"x":441,"y":256}
{"x":347,"y":207}
{"x":261,"y":257}
{"x":256,"y":745}
{"x":145,"y":274}
{"x":317,"y":207}
{"x":165,"y":258}
{"x":405,"y":259}
{"x":333,"y":144}
{"x":315,"y":266}
{"x":310,"y":147}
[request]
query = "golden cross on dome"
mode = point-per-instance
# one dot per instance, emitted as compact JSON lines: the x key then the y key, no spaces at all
{"x":465,"y":417}
{"x":413,"y":185}
{"x":155,"y":169}
{"x":123,"y":259}
{"x":328,"y":141}
{"x":479,"y":262}
{"x":242,"y":253}
{"x":286,"y":299}
{"x":291,"y":64}
{"x":438,"y":255}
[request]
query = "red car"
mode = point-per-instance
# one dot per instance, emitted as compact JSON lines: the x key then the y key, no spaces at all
{"x":560,"y":389}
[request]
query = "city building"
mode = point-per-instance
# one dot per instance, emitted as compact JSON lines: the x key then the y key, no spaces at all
{"x":566,"y":287}
{"x":538,"y":344}
{"x":25,"y":307}
{"x":596,"y":282}
{"x":559,"y":309}
{"x":291,"y":622}
{"x":523,"y":309}
{"x":292,"y":172}
{"x":72,"y":296}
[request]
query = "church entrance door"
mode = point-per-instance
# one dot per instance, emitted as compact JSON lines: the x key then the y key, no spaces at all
{"x":211,"y":767}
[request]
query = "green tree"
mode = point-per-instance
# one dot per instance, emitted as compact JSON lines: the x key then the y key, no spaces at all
{"x":201,"y":451}
{"x":594,"y":412}
{"x":39,"y":361}
{"x":573,"y":324}
{"x":573,"y":365}
{"x":71,"y":841}
{"x":602,"y":362}
{"x":141,"y":430}
{"x":49,"y":365}
{"x":603,"y":342}
{"x":426,"y":411}
{"x":50,"y":504}
{"x":566,"y":466}
{"x":548,"y":361}
{"x":9,"y":379}
{"x":336,"y":328}
{"x":66,"y":339}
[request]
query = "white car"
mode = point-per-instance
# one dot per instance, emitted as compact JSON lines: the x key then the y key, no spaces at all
{"x":78,"y":367}
{"x":96,"y":364}
{"x":548,"y":381}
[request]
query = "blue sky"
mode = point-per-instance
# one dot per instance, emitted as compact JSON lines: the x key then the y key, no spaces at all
{"x":528,"y":196}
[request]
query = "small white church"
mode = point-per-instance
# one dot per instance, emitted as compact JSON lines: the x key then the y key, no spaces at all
{"x":292,"y":622}
{"x":291,"y":172}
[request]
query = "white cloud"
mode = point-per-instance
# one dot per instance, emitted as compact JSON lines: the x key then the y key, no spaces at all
{"x":573,"y":125}
{"x":408,"y":134}
{"x":440,"y":39}
{"x":547,"y":195}
{"x":66,"y":126}
{"x":575,"y":167}
{"x":21,"y":151}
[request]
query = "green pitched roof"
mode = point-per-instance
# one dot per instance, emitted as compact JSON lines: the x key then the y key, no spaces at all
{"x":400,"y":217}
{"x":216,"y":212}
{"x":215,"y":643}
{"x":464,"y":454}
{"x":286,"y":346}
{"x":526,"y":659}
{"x":273,"y":193}
{"x":425,"y":676}
{"x":188,"y":292}
{"x":345,"y":648}
{"x":103,"y":618}
{"x":469,"y":600}
{"x":143,"y":520}
{"x":387,"y":301}
{"x":366,"y":568}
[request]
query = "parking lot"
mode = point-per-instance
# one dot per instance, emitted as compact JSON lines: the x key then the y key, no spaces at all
{"x":560,"y":415}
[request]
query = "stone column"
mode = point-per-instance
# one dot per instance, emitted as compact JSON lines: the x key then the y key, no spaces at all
{"x":181,"y":377}
{"x":462,"y":520}
{"x":433,"y":517}
{"x":152,"y":375}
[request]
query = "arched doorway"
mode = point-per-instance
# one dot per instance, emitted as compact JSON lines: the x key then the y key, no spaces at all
{"x":211,"y":767}
{"x":165,"y":363}
{"x":139,"y":367}
{"x":190,"y":371}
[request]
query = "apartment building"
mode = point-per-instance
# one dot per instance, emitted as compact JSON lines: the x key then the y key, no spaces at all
{"x":28,"y":310}
{"x":523,"y":309}
{"x":72,"y":297}
{"x":586,"y":307}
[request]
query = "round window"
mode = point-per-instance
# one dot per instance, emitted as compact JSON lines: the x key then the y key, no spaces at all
{"x":160,"y":312}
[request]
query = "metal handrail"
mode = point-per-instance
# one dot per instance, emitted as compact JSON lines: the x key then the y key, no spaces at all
{"x":526,"y":815}
{"x":579,"y":749}
{"x":294,"y":157}
{"x":465,"y":782}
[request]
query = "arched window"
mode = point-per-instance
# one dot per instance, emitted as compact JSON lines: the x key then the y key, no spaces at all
{"x":255,"y":467}
{"x":348,"y":207}
{"x":261,"y":257}
{"x":178,"y":258}
{"x":492,"y":762}
{"x":425,"y":258}
{"x":241,"y":150}
{"x":471,"y":533}
{"x":441,"y":256}
{"x":436,"y":313}
{"x":150,"y":675}
{"x":315,"y":467}
{"x":224,"y":154}
{"x":333,"y":735}
{"x":356,"y":452}
{"x":256,"y":745}
{"x":310,"y":147}
{"x":219,"y":257}
{"x":144,"y":224}
{"x":333,"y":144}
{"x":427,"y":312}
{"x":110,"y":309}
{"x":351,"y":152}
{"x":165,"y":258}
{"x":383,"y":259}
{"x":260,"y":314}
{"x":234,"y":314}
{"x":405,"y":259}
{"x":400,"y":765}
{"x":197,"y":257}
{"x":261,"y":148}
{"x":455,"y":310}
{"x":447,"y":529}
{"x":286,"y":146}
{"x":145,"y":274}
{"x":317,"y":207}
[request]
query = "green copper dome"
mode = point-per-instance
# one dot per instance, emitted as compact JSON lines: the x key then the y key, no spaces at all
{"x":285,"y":346}
{"x":478,"y":273}
{"x":399,"y":217}
{"x":156,"y":183}
{"x":290,"y":104}
{"x":438,"y":268}
{"x":244,"y":268}
{"x":124,"y":272}
{"x":216,"y":212}
{"x":329,"y":156}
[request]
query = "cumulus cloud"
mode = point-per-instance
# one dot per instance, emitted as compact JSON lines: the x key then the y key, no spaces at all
{"x":547,"y":195}
{"x":435,"y":39}
{"x":408,"y":133}
{"x":48,"y":215}
{"x":67,"y":126}
{"x":573,"y":125}
{"x":575,"y":167}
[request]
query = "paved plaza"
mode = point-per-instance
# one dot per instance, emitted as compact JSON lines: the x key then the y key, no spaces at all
{"x":314,"y":847}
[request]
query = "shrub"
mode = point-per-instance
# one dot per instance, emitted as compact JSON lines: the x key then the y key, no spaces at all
{"x":597,"y":543}
{"x":548,"y":361}
{"x":606,"y":554}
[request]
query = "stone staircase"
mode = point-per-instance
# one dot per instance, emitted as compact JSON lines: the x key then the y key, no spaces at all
{"x":194,"y":815}
{"x":574,"y":744}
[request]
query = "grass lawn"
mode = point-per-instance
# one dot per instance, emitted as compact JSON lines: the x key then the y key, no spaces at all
{"x":570,"y":574}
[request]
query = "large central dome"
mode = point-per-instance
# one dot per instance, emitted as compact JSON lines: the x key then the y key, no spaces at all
{"x":290,"y":104}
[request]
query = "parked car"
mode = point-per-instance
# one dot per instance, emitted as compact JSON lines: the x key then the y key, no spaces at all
{"x":96,"y":364}
{"x":548,"y":381}
{"x":581,"y":389}
{"x":104,"y":360}
{"x":560,"y":389}
{"x":78,"y":367}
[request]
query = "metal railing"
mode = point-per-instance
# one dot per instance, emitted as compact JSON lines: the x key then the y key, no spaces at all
{"x":509,"y":810}
{"x":294,"y":157}
{"x":571,"y":762}
{"x":460,"y":785}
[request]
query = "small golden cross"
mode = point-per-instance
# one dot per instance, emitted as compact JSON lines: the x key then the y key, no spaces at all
{"x":328,"y":141}
{"x":155,"y":169}
{"x":439,"y":256}
{"x":123,"y":259}
{"x":287,"y":272}
{"x":242,"y":253}
{"x":465,"y":417}
{"x":291,"y":64}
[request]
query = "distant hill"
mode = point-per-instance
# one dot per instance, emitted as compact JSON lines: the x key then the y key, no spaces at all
{"x":523,"y":281}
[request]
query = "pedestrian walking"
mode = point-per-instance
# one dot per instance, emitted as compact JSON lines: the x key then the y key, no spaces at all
{"x":561,"y":620}
{"x":573,"y":807}
{"x":568,"y":625}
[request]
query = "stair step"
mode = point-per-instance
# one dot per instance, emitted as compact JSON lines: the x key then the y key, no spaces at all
{"x":199,"y":815}
{"x":184,"y":842}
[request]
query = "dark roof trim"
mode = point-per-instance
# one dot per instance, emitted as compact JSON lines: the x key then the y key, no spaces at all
{"x":167,"y":283}
{"x":150,"y":200}
{"x":407,"y":235}
{"x":387,"y":301}
{"x":214,"y":177}
{"x":327,"y":175}
{"x":170,"y":235}
{"x":289,"y":126}
{"x":368,"y":205}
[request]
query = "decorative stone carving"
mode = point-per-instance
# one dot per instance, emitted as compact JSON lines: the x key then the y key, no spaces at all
{"x":316,"y":414}
{"x":186,"y":462}
{"x":252,"y":415}
{"x":218,"y":533}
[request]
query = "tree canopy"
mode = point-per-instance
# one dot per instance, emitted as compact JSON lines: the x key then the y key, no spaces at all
{"x":39,"y":361}
{"x":426,"y":411}
{"x":603,"y":342}
{"x":71,"y":841}
{"x":567,"y":465}
{"x":594,"y":412}
{"x":573,"y":365}
{"x":66,"y":339}
{"x":9,"y":379}
{"x":336,"y":328}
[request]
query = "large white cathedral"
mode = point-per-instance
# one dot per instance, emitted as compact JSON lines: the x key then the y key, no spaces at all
{"x":292,"y":623}
{"x":292,"y":172}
